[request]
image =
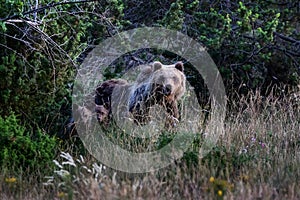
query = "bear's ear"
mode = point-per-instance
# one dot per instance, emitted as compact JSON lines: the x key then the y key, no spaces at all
{"x":157,"y":65}
{"x":179,"y":66}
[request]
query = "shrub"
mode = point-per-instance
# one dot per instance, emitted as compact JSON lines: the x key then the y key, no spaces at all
{"x":24,"y":149}
{"x":40,"y":51}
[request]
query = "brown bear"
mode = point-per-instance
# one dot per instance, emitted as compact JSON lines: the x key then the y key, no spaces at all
{"x":157,"y":84}
{"x":103,"y":99}
{"x":102,"y":114}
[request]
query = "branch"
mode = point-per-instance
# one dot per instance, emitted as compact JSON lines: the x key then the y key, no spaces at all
{"x":41,"y":9}
{"x":286,"y":38}
{"x":279,"y":4}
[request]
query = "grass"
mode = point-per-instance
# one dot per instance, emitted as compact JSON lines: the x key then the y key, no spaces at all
{"x":258,"y":157}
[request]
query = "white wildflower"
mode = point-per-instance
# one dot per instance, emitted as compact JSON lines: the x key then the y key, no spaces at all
{"x":57,"y":164}
{"x":98,"y":168}
{"x":87,"y":169}
{"x":114,"y":181}
{"x":69,"y":163}
{"x":81,"y":159}
{"x":62,"y":172}
{"x":69,"y":159}
{"x":49,"y":181}
{"x":135,"y":185}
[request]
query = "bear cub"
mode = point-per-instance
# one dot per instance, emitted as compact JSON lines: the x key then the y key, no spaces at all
{"x":103,"y":99}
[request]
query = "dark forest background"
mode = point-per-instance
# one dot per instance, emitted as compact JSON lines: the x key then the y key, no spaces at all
{"x":255,"y":45}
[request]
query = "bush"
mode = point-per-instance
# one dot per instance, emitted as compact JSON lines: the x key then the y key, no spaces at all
{"x":24,"y":149}
{"x":40,"y":52}
{"x":252,"y":43}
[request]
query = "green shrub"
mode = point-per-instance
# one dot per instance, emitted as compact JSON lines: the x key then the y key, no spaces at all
{"x":24,"y":149}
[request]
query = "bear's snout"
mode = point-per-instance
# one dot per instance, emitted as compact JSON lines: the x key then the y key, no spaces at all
{"x":167,"y":89}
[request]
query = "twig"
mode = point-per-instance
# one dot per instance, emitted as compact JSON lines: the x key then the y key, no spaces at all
{"x":41,"y":9}
{"x":19,"y":54}
{"x":279,"y":3}
{"x":286,"y":38}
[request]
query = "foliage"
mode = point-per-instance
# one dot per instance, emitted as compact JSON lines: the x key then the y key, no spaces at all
{"x":249,"y":41}
{"x":39,"y":55}
{"x":20,"y":149}
{"x":256,"y":153}
{"x":252,"y":42}
{"x":255,"y":44}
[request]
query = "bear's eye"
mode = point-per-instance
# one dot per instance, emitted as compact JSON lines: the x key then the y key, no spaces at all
{"x":175,"y":79}
{"x":161,"y":79}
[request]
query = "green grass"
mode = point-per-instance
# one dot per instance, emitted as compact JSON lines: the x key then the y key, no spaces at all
{"x":258,"y":157}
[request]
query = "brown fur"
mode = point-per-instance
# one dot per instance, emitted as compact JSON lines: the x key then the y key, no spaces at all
{"x":157,"y":84}
{"x":102,"y":114}
{"x":103,"y":99}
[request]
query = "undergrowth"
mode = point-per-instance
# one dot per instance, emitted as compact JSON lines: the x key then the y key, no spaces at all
{"x":256,"y":158}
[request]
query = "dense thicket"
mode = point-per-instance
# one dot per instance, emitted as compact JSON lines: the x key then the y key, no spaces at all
{"x":255,"y":44}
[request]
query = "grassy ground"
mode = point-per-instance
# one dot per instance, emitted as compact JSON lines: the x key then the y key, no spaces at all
{"x":258,"y":157}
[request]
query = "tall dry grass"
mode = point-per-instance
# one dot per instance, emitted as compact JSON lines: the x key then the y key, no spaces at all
{"x":258,"y":157}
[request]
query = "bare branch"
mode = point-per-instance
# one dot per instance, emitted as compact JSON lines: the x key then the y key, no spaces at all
{"x":286,"y":38}
{"x":41,"y":9}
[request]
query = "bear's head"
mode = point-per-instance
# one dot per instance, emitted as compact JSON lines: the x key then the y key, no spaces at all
{"x":157,"y":84}
{"x":168,"y":80}
{"x":102,"y":113}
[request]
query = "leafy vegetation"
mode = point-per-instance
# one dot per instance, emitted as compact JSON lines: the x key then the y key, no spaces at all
{"x":257,"y":157}
{"x":23,"y":150}
{"x":255,"y":45}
